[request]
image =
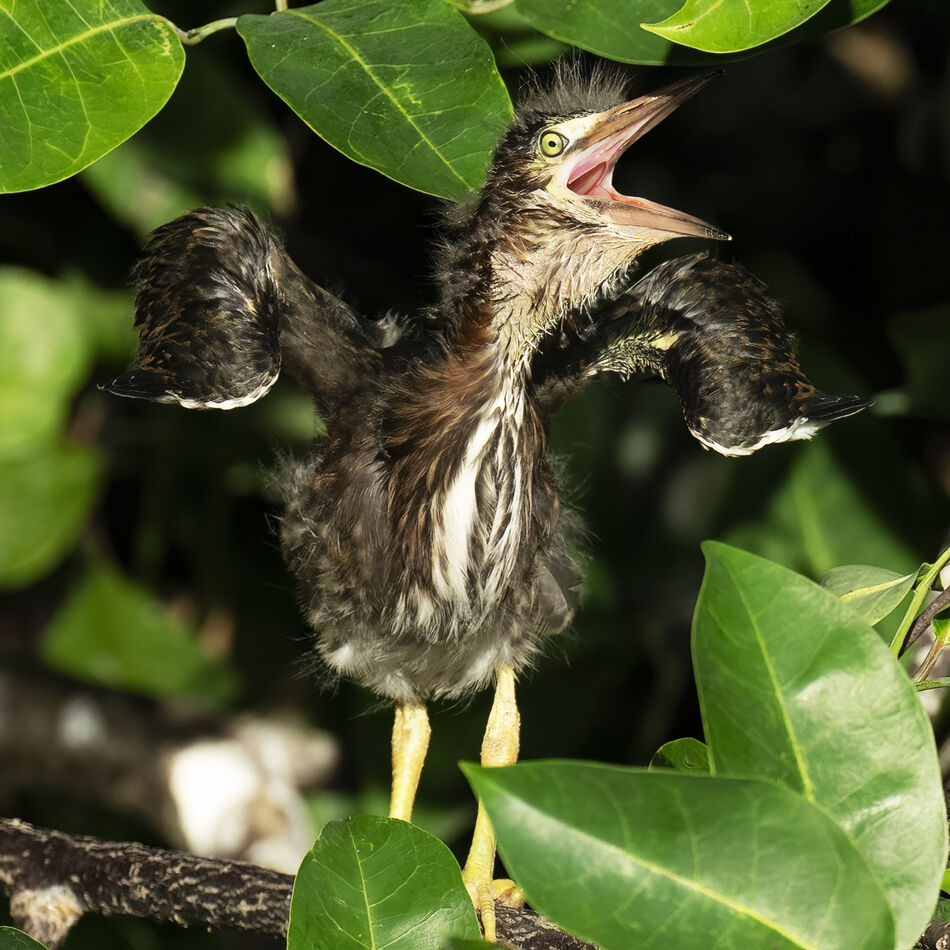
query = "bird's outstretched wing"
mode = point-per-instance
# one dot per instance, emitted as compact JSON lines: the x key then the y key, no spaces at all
{"x":709,"y":329}
{"x":221,"y":308}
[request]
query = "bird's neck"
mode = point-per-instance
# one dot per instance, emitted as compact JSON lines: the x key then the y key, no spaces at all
{"x":526,"y":280}
{"x":465,"y":444}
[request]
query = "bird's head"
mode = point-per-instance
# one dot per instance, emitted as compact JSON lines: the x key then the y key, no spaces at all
{"x":551,"y":230}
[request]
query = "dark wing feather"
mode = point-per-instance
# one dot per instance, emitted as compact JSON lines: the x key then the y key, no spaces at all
{"x":709,"y":329}
{"x":221,"y":308}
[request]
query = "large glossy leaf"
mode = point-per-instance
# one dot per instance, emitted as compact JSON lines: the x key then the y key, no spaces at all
{"x":730,"y":26}
{"x":795,"y":687}
{"x":612,"y":27}
{"x":871,"y":592}
{"x":657,"y":859}
{"x":377,"y":882}
{"x":12,"y":939}
{"x":76,"y":79}
{"x":44,"y":499}
{"x":409,"y":88}
{"x":113,"y":632}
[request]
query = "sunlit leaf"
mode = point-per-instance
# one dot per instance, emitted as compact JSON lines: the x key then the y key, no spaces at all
{"x":793,"y":686}
{"x":113,"y":632}
{"x":730,"y":26}
{"x":44,"y":499}
{"x":872,"y":592}
{"x":76,"y":79}
{"x":378,"y":882}
{"x":408,"y":89}
{"x":612,"y":28}
{"x":629,"y":857}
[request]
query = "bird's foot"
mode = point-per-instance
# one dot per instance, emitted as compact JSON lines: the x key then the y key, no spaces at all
{"x":486,"y":893}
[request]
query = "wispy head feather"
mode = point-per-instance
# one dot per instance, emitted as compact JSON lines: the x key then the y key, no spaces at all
{"x":575,"y":85}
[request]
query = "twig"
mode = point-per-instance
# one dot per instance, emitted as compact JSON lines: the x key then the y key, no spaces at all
{"x":940,"y":602}
{"x":196,"y":35}
{"x":920,"y":593}
{"x":110,"y":878}
{"x":53,"y":878}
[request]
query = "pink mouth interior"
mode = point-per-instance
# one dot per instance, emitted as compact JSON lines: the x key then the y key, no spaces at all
{"x":592,"y":177}
{"x":591,"y":182}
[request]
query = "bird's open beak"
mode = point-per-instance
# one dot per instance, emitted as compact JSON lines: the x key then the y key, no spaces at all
{"x":604,"y":137}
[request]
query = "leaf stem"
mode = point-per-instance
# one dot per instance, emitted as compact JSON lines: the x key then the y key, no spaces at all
{"x":192,"y":37}
{"x":932,"y":684}
{"x":920,"y":593}
{"x":280,"y":5}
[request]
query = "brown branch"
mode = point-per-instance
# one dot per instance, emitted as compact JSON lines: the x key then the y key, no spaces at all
{"x":925,"y":618}
{"x":53,"y":878}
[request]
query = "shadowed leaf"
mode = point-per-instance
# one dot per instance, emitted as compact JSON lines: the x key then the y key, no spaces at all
{"x":44,"y":499}
{"x":408,"y":89}
{"x":11,"y":939}
{"x":871,"y":592}
{"x":682,"y":755}
{"x":115,"y":633}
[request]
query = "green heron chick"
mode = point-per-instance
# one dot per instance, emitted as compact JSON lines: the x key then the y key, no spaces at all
{"x":425,"y":530}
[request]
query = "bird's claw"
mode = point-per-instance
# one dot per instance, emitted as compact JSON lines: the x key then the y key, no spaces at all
{"x":485,"y":893}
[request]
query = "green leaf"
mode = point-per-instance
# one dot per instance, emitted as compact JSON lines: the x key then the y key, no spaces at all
{"x":635,"y":858}
{"x":13,"y":939}
{"x":377,"y":882}
{"x":682,"y":755}
{"x":607,"y":27}
{"x":872,"y":592}
{"x":612,"y":28}
{"x":408,"y":89}
{"x":44,"y":353}
{"x":113,"y":632}
{"x":793,"y":686}
{"x":76,"y":79}
{"x":730,"y":26}
{"x":44,"y":499}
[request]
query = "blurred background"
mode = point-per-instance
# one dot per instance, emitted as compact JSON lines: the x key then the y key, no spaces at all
{"x":155,"y":682}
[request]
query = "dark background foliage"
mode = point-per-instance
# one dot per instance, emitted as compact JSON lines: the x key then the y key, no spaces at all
{"x":827,"y":162}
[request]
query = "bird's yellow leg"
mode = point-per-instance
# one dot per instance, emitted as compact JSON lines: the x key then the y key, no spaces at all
{"x":499,"y":747}
{"x":410,"y":743}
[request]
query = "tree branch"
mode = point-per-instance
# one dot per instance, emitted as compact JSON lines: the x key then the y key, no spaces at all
{"x":53,"y":878}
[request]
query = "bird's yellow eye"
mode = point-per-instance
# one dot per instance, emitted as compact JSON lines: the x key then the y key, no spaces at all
{"x":551,"y":143}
